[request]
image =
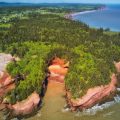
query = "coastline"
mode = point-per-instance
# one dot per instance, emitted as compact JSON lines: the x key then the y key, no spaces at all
{"x":58,"y":67}
{"x":71,"y":15}
{"x":83,"y":12}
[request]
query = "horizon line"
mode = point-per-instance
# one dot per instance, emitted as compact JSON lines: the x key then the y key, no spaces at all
{"x":56,"y":3}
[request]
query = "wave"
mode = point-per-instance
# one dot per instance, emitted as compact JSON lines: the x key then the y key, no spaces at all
{"x":97,"y":107}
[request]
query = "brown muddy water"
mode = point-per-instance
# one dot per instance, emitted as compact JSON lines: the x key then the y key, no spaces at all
{"x":54,"y":102}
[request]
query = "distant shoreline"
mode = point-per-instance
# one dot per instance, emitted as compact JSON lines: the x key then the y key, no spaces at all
{"x":83,"y":12}
{"x":71,"y":15}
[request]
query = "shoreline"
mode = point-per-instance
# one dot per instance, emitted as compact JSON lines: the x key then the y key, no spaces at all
{"x":83,"y":12}
{"x":71,"y":15}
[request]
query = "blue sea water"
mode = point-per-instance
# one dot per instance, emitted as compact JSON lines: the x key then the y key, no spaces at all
{"x":106,"y":18}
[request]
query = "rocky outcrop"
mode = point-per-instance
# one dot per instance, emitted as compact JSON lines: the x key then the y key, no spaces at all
{"x":6,"y":82}
{"x":58,"y":69}
{"x":26,"y":106}
{"x":93,"y":96}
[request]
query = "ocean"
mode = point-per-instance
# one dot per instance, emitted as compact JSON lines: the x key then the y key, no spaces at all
{"x":105,"y":18}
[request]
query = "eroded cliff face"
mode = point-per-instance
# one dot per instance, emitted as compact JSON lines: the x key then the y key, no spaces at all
{"x":58,"y":70}
{"x":26,"y":106}
{"x":93,"y":96}
{"x":6,"y":82}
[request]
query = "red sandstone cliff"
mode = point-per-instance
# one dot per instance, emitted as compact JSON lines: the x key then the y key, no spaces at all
{"x":26,"y":106}
{"x":6,"y":82}
{"x":58,"y":69}
{"x":93,"y":95}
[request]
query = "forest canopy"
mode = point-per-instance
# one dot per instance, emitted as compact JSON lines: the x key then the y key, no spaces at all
{"x":36,"y":37}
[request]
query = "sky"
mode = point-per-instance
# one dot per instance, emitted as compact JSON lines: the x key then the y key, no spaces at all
{"x":64,"y":1}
